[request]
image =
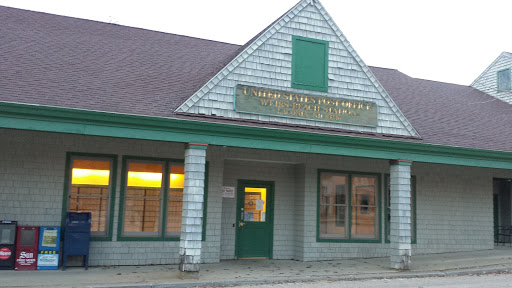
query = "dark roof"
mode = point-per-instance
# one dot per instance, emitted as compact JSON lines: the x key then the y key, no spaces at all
{"x":67,"y":62}
{"x":450,"y":114}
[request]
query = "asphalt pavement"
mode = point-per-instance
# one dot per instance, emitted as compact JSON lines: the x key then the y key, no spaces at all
{"x":261,"y":271}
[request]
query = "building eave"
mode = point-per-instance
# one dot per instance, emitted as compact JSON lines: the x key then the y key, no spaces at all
{"x":96,"y":123}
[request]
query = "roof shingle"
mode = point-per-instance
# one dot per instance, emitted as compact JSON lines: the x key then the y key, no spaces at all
{"x":66,"y":62}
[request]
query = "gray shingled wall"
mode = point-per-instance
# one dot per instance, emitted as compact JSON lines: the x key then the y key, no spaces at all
{"x":454,"y":204}
{"x":32,"y":167}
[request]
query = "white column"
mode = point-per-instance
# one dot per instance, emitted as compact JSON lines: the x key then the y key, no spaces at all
{"x":400,"y":202}
{"x":192,"y":215}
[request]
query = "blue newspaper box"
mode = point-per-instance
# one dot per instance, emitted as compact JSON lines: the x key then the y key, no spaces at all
{"x":49,"y":247}
{"x":77,"y":235}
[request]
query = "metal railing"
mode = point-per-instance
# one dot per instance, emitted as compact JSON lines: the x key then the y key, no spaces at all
{"x":503,"y":235}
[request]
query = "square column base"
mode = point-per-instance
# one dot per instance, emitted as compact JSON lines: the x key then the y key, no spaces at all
{"x":402,"y":262}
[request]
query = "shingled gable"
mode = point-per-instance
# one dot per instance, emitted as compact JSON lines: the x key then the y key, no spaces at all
{"x":487,"y":82}
{"x":265,"y":61}
{"x":502,"y":56}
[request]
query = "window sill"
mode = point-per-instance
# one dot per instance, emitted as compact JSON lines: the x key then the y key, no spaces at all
{"x":348,"y":240}
{"x":312,"y":88}
{"x":135,"y":238}
{"x":100,"y":238}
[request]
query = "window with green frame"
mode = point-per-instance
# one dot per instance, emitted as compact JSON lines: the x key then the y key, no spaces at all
{"x":310,"y":62}
{"x":388,"y":207}
{"x":90,"y":182}
{"x":348,"y":206}
{"x":152,"y":199}
{"x":504,"y":80}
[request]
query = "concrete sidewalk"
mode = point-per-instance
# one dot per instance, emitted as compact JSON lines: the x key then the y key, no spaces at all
{"x":232,"y":272}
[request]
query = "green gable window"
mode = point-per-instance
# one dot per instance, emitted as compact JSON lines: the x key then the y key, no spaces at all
{"x":504,"y":80}
{"x":310,"y":59}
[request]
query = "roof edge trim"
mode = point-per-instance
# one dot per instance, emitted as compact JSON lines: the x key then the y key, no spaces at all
{"x":94,"y":123}
{"x":386,"y":97}
{"x":240,"y":57}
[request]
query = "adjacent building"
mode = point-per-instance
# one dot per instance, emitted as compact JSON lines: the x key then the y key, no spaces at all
{"x":495,"y":80}
{"x":193,"y":151}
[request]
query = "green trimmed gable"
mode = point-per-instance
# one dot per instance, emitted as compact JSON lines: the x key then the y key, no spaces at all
{"x":303,"y":54}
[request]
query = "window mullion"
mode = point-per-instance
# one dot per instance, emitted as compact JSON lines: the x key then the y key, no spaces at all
{"x":89,"y":195}
{"x":142,"y":197}
{"x":165,"y":195}
{"x":349,"y":205}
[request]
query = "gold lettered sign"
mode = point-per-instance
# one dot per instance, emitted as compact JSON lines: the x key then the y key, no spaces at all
{"x":313,"y":107}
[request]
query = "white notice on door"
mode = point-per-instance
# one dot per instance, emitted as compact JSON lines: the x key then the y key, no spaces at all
{"x":259,"y":205}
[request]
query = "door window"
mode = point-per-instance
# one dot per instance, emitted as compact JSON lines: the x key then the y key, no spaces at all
{"x":255,"y":204}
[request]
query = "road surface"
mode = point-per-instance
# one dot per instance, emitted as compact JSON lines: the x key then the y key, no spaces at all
{"x":502,"y":279}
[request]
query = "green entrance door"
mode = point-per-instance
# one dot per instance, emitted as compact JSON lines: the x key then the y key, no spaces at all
{"x":254,"y":231}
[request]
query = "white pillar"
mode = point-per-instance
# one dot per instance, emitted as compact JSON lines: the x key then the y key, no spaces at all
{"x":192,"y":215}
{"x":400,"y":202}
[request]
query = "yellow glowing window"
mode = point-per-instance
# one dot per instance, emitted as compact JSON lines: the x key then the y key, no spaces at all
{"x":89,"y":191}
{"x":255,"y":206}
{"x":175,"y":200}
{"x":144,"y":179}
{"x":90,"y":177}
{"x":153,"y":198}
{"x":263,"y":195}
{"x":177,"y":177}
{"x":90,"y":172}
{"x":143,"y":202}
{"x":145,"y":175}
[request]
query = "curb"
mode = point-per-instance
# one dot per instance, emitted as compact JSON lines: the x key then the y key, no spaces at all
{"x":313,"y":279}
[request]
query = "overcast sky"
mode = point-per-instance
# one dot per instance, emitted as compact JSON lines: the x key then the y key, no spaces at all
{"x":444,"y":40}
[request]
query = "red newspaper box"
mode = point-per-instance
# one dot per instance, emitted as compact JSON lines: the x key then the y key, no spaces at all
{"x":26,"y":249}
